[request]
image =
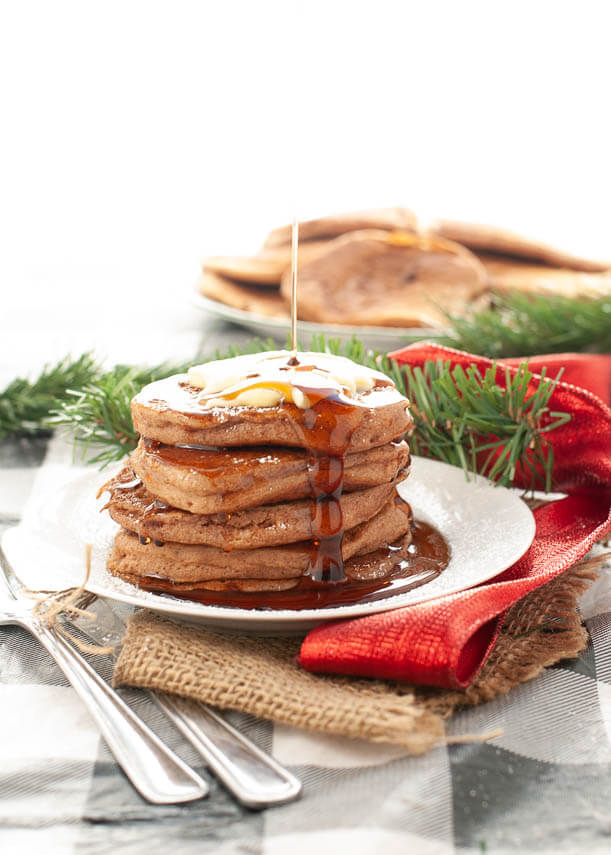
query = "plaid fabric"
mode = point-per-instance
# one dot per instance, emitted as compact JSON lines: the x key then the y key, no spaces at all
{"x":543,"y":786}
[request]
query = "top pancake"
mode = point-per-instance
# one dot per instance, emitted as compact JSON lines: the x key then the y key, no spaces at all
{"x":170,"y":411}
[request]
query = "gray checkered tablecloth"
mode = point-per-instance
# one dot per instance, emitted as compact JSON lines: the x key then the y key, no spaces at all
{"x":543,"y":786}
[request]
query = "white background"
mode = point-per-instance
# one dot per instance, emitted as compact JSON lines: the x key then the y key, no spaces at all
{"x":138,"y":136}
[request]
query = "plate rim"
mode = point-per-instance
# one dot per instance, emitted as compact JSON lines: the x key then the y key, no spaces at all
{"x":244,"y":316}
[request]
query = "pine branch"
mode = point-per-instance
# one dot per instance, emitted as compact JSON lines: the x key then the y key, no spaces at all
{"x":98,"y":415}
{"x":467,"y":419}
{"x":25,"y":404}
{"x":525,"y":325}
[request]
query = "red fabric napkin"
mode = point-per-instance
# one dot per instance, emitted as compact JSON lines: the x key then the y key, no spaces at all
{"x":446,"y":641}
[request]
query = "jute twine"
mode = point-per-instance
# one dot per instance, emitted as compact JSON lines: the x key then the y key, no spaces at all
{"x":51,"y":605}
{"x":260,"y":676}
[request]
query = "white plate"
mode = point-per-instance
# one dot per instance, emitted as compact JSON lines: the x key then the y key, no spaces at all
{"x":378,"y":338}
{"x":488,"y":528}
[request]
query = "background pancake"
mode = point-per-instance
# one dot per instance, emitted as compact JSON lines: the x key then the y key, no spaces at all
{"x":507,"y":274}
{"x":494,"y":239}
{"x":393,"y":219}
{"x":266,"y":268}
{"x":386,"y":279}
{"x":259,"y":299}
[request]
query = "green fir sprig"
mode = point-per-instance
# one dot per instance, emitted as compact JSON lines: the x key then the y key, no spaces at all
{"x":520,"y":324}
{"x":25,"y":405}
{"x":465,"y":418}
{"x":98,"y":415}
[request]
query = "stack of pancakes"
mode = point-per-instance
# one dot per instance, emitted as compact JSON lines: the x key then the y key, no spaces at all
{"x":220,"y":499}
{"x":381,"y":268}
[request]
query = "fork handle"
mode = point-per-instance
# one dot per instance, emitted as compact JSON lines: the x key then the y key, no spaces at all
{"x":254,"y":778}
{"x":156,"y":772}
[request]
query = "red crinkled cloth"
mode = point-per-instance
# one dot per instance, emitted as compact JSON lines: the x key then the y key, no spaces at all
{"x":445,"y":642}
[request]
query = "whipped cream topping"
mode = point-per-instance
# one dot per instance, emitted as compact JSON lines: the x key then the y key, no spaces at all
{"x":268,"y":379}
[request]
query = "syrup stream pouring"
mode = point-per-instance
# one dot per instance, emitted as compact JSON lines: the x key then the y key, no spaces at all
{"x":156,"y":772}
{"x":294,"y":246}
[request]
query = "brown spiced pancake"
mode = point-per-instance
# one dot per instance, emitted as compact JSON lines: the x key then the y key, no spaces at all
{"x":266,"y":268}
{"x":197,"y":564}
{"x":137,"y":510}
{"x":494,"y":239}
{"x":361,"y":568}
{"x":260,"y":299}
{"x":390,"y":219}
{"x":170,"y":411}
{"x":388,"y":279}
{"x":510,"y":274}
{"x":209,"y":481}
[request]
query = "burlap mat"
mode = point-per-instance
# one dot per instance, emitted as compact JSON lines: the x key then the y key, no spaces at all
{"x":260,"y":676}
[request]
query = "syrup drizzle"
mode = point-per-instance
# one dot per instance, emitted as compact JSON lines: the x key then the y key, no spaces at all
{"x":294,"y":252}
{"x":422,"y":561}
{"x":326,"y":437}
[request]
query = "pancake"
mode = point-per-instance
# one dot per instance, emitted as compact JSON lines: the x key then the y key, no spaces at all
{"x":197,"y":564}
{"x":494,"y":239}
{"x":137,"y":510}
{"x":361,"y":568}
{"x":170,"y":411}
{"x":392,"y":219}
{"x":266,"y":268}
{"x":388,"y":279}
{"x":259,"y":299}
{"x":208,"y":481}
{"x":510,"y":274}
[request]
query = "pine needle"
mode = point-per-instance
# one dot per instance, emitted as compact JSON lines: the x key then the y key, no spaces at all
{"x":25,"y":404}
{"x":524,"y":325}
{"x":467,"y":419}
{"x":98,"y":415}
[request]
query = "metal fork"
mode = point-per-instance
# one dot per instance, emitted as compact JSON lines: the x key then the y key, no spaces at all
{"x":252,"y":776}
{"x":159,"y":775}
